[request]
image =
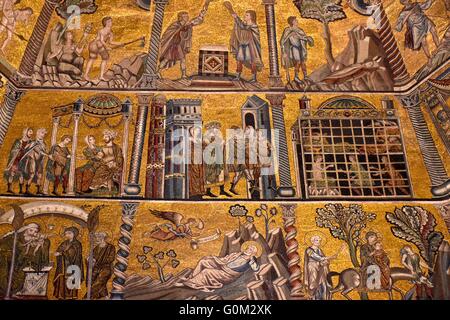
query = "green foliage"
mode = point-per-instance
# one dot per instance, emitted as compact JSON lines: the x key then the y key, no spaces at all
{"x":344,"y":223}
{"x":321,"y":10}
{"x":416,"y":225}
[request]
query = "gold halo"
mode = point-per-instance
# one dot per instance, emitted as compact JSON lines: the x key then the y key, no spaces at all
{"x":310,"y":234}
{"x":247,"y":244}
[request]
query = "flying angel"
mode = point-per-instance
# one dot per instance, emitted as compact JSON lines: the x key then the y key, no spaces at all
{"x":176,"y":226}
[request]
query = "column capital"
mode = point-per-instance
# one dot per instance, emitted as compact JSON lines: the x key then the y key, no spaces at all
{"x":161,"y":2}
{"x":129,"y":208}
{"x":269,"y":2}
{"x":276,"y":99}
{"x":411,"y":100}
{"x":13,"y":93}
{"x":288,"y":210}
{"x":145,"y":99}
{"x":56,"y":120}
{"x":159,"y":100}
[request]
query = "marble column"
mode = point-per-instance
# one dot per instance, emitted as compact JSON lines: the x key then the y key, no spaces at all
{"x":154,"y":186}
{"x":77,"y":112}
{"x":11,"y":98}
{"x":133,"y":188}
{"x":440,"y":182}
{"x":53,"y":141}
{"x":122,"y":257}
{"x":127,"y":112}
{"x":274,"y":77}
{"x":280,"y":139}
{"x":390,"y":46}
{"x":150,"y":76}
{"x":290,"y":239}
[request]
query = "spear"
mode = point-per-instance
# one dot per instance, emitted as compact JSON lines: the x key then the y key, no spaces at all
{"x":17,"y":223}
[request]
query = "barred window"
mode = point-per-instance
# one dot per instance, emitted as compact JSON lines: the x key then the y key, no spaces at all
{"x":344,"y":154}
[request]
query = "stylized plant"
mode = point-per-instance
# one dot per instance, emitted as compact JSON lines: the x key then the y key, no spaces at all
{"x":160,"y":259}
{"x":345,"y":223}
{"x":268,"y":215}
{"x":325,"y":11}
{"x":416,"y":225}
{"x":239,"y":211}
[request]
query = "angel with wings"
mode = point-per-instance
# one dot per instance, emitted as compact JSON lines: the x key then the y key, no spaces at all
{"x":176,"y":226}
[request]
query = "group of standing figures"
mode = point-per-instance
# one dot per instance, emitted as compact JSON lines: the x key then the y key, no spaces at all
{"x":27,"y":164}
{"x":32,"y":256}
{"x":244,"y":154}
{"x":245,"y":43}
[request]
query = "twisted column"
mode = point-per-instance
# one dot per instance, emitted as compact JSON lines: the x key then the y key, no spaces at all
{"x":390,"y":46}
{"x":10,"y":100}
{"x":133,"y":187}
{"x":34,"y":45}
{"x":284,"y":167}
{"x":290,"y":240}
{"x":149,"y":77}
{"x":274,"y":77}
{"x":154,"y":186}
{"x":440,"y":182}
{"x":128,"y":214}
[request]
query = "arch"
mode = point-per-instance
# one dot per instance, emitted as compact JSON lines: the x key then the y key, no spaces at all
{"x":250,"y":120}
{"x":35,"y":209}
{"x":346,"y":102}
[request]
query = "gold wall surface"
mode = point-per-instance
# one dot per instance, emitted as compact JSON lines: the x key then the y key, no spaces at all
{"x":148,"y":266}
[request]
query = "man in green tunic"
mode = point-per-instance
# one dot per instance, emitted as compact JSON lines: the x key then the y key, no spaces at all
{"x":58,"y":164}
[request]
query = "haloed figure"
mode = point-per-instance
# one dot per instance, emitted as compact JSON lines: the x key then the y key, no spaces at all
{"x":103,"y":258}
{"x":316,"y":270}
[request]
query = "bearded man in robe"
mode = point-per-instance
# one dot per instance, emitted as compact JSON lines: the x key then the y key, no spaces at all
{"x":176,"y":41}
{"x":32,"y":251}
{"x":102,"y":270}
{"x":12,"y":171}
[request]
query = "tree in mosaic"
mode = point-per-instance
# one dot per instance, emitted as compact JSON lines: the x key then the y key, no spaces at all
{"x":325,"y":11}
{"x":416,"y":225}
